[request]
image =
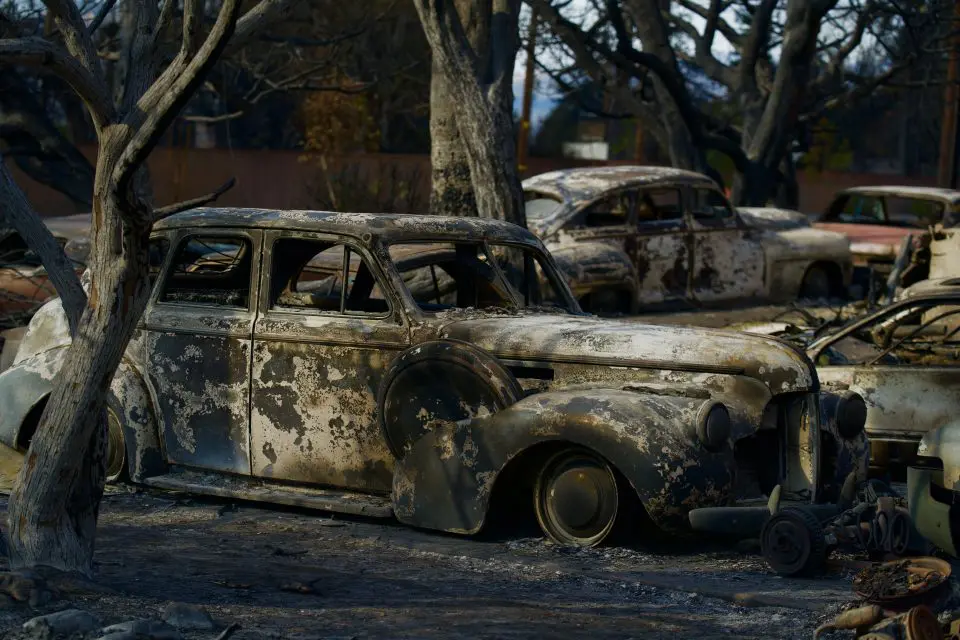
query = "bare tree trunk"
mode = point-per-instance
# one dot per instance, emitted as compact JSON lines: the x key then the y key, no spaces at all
{"x":451,"y":192}
{"x":54,"y":505}
{"x":477,"y":94}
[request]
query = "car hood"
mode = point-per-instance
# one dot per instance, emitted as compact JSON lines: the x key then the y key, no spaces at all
{"x":773,"y":218}
{"x":591,"y":340}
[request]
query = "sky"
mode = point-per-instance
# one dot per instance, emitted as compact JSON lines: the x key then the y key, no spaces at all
{"x":546,"y":93}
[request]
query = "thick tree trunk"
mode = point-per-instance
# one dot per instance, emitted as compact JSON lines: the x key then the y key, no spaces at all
{"x":451,"y":191}
{"x":478,"y":83}
{"x":66,"y":463}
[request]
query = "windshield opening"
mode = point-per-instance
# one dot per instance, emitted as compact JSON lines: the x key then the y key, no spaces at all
{"x":464,"y":275}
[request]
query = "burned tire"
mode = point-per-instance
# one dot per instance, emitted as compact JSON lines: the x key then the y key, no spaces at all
{"x":441,"y":381}
{"x":116,"y":448}
{"x":817,"y":284}
{"x":793,"y":543}
{"x":577,"y":498}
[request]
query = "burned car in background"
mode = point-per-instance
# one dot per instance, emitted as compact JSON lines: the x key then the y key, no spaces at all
{"x":24,"y":285}
{"x":903,"y":359}
{"x":437,"y":370}
{"x":877,"y":219}
{"x":629,"y":236}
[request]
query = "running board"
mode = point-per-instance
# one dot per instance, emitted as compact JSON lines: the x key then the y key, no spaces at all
{"x":256,"y":490}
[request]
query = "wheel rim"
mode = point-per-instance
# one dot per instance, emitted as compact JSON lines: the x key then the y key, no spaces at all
{"x":577,"y":499}
{"x":116,"y":453}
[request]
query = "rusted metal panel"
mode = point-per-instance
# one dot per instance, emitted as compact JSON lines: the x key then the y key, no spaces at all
{"x":903,"y":402}
{"x":314,"y":401}
{"x":728,"y":264}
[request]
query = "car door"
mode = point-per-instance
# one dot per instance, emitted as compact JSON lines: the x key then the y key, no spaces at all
{"x":607,"y":220}
{"x":320,"y":351}
{"x":913,"y":388}
{"x":661,"y":248}
{"x":197,"y":334}
{"x":729,"y":262}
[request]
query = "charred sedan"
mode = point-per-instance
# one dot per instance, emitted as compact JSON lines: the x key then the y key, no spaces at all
{"x":436,"y":370}
{"x":631,"y":236}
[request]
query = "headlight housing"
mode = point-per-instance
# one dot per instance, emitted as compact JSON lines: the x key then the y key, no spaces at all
{"x":847,"y":411}
{"x":713,"y":425}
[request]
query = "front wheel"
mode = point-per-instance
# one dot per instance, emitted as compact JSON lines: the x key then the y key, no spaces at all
{"x":576,"y":498}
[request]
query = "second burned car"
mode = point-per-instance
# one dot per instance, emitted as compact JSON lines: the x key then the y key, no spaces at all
{"x":630,"y":236}
{"x":440,"y":371}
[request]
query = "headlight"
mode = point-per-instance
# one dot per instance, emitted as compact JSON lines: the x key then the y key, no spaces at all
{"x":713,"y":425}
{"x":848,"y":411}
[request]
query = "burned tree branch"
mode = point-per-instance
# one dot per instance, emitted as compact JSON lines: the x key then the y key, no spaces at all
{"x":16,"y":212}
{"x":186,"y":205}
{"x":37,"y":52}
{"x":161,"y":109}
{"x":98,"y":19}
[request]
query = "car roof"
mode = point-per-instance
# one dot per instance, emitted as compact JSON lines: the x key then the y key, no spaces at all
{"x":587,"y":183}
{"x":390,"y":227}
{"x":929,"y":193}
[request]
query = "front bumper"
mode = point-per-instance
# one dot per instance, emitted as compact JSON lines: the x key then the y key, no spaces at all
{"x":932,"y":507}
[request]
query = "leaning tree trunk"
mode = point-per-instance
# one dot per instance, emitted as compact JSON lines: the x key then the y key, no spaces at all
{"x":68,"y":464}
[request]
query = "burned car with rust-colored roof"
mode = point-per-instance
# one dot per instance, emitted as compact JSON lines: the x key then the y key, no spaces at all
{"x":437,"y":370}
{"x":878,"y":219}
{"x":644,"y":236}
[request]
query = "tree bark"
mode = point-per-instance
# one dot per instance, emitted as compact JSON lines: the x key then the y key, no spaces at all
{"x":476,"y":89}
{"x":55,"y":501}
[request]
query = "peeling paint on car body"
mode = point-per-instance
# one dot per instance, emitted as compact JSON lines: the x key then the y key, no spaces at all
{"x":761,"y":253}
{"x":285,"y":405}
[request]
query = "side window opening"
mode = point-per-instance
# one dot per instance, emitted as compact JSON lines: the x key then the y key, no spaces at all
{"x":858,"y":209}
{"x":324,"y":277}
{"x":659,"y":209}
{"x":210,"y":270}
{"x":711,"y":207}
{"x":613,"y":211}
{"x":526,"y":274}
{"x":158,"y":253}
{"x":913,"y":212}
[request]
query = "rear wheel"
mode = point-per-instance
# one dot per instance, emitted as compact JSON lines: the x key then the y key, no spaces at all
{"x":576,"y":498}
{"x":817,"y":284}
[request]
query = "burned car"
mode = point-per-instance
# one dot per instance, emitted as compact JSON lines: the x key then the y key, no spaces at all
{"x":933,"y":487}
{"x":630,"y":236}
{"x":903,"y":359}
{"x":437,"y":370}
{"x":877,"y":219}
{"x":24,"y":285}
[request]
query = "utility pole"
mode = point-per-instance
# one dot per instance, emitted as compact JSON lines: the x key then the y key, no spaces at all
{"x":523,"y":143}
{"x":950,"y":128}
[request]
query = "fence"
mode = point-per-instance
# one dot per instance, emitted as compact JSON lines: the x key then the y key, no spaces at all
{"x":285,"y":180}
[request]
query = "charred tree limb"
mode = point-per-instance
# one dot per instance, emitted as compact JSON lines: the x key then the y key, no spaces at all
{"x":18,"y":214}
{"x":37,"y":52}
{"x":186,"y":205}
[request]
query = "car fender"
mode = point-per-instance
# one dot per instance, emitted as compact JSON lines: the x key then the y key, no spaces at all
{"x":24,"y":387}
{"x":447,"y":477}
{"x":28,"y":384}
